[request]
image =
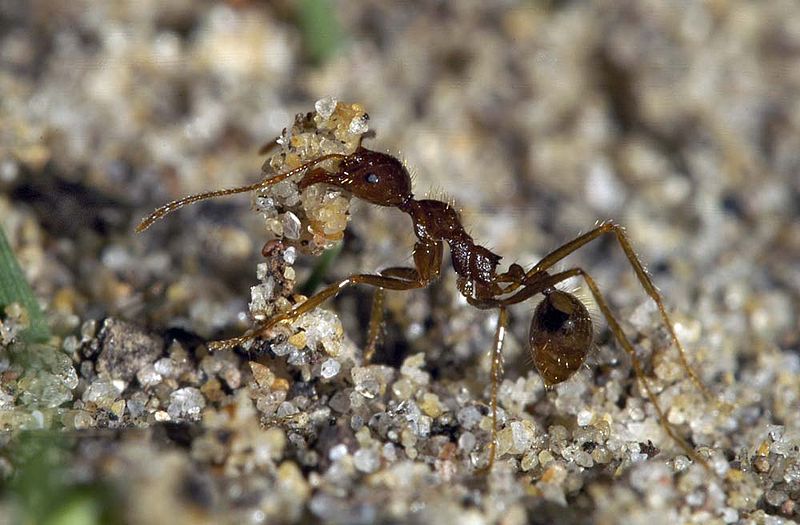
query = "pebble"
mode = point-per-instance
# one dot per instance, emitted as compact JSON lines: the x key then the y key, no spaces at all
{"x":148,"y":376}
{"x":186,"y":403}
{"x":338,"y":452}
{"x":366,"y":460}
{"x":467,"y":442}
{"x":430,"y":405}
{"x":330,"y":368}
{"x":325,"y":107}
{"x":102,"y":393}
{"x":125,"y":349}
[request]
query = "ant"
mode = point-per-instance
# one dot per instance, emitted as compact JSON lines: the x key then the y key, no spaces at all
{"x":561,"y":328}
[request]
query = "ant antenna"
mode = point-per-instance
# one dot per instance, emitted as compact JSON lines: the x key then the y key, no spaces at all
{"x":174,"y":205}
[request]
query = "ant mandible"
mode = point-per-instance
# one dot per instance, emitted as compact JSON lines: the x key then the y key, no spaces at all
{"x":561,"y":328}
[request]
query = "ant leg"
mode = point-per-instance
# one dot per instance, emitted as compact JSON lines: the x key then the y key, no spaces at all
{"x":515,"y":275}
{"x":427,"y":262}
{"x":619,"y":232}
{"x":375,"y":322}
{"x":620,"y":336}
{"x":378,"y":281}
{"x":497,"y":372}
{"x":376,"y":311}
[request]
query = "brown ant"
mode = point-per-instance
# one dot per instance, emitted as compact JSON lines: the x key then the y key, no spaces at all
{"x":561,"y":328}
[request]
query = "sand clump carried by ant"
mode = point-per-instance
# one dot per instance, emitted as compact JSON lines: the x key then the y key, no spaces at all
{"x":307,"y":221}
{"x":313,"y":219}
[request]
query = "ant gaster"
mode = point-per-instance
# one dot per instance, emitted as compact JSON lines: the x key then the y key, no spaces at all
{"x":561,"y":328}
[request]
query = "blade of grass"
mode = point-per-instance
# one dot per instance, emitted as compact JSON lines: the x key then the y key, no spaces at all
{"x":319,"y":271}
{"x":322,"y":34}
{"x":15,"y":289}
{"x":46,"y":490}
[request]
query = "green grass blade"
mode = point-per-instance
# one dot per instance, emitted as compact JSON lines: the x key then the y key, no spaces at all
{"x":15,"y":289}
{"x":322,"y":34}
{"x":321,"y":269}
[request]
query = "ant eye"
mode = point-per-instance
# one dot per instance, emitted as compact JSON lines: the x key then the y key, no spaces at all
{"x":371,"y":178}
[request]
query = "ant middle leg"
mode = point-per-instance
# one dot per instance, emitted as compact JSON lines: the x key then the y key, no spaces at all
{"x":496,"y":374}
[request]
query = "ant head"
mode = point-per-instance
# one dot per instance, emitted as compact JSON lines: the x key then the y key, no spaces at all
{"x":375,"y":177}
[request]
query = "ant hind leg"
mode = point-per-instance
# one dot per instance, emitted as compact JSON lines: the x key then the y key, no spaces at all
{"x":641,"y":273}
{"x":623,"y":340}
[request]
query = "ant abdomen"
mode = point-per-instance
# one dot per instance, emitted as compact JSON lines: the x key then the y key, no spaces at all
{"x":560,"y":336}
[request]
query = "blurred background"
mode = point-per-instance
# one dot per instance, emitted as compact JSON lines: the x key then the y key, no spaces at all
{"x":680,"y":120}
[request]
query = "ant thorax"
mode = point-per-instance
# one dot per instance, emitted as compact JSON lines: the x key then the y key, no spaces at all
{"x":437,"y":221}
{"x":312,"y":219}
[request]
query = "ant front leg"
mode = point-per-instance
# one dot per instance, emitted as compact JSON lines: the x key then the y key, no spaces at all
{"x":314,"y":301}
{"x":428,"y":262}
{"x":375,"y":324}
